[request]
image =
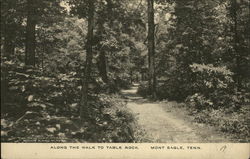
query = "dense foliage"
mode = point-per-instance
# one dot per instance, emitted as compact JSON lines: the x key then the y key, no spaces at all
{"x":202,"y":52}
{"x":41,"y":98}
{"x":45,"y":109}
{"x":58,"y":56}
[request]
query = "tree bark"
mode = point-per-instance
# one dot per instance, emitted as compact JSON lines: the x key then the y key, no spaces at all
{"x":236,"y":44}
{"x":236,"y":54}
{"x":151,"y":49}
{"x":84,"y":108}
{"x":30,"y":34}
{"x":103,"y":67}
{"x":102,"y":59}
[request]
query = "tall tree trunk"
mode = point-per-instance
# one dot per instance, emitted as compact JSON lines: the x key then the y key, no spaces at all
{"x":236,"y":44}
{"x":84,"y":108}
{"x":151,"y":48}
{"x":102,"y":59}
{"x":103,"y":67}
{"x":30,"y":34}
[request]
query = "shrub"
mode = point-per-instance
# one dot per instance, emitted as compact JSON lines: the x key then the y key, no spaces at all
{"x":214,"y":87}
{"x":236,"y":123}
{"x":114,"y":123}
{"x":199,"y":102}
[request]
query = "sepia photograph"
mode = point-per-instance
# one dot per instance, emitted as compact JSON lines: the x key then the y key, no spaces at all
{"x":125,"y":71}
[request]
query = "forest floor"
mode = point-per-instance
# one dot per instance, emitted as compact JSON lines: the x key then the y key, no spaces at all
{"x":167,"y":121}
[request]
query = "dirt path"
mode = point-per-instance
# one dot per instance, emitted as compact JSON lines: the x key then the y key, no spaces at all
{"x":164,"y":122}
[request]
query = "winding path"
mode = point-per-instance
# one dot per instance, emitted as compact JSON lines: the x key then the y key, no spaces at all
{"x":166,"y":122}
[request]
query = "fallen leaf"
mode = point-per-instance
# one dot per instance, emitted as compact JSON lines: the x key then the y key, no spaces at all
{"x":58,"y":126}
{"x":73,"y":105}
{"x":4,"y":123}
{"x":61,"y":134}
{"x":4,"y":133}
{"x":43,"y":106}
{"x":52,"y":130}
{"x":23,"y":88}
{"x":30,"y":98}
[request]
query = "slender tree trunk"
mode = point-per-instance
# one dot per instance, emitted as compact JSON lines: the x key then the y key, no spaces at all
{"x":151,"y":48}
{"x":30,"y":34}
{"x":103,"y":66}
{"x":236,"y":43}
{"x":84,"y":108}
{"x":102,"y":59}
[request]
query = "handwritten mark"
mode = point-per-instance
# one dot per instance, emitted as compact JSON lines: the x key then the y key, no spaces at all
{"x":223,"y":148}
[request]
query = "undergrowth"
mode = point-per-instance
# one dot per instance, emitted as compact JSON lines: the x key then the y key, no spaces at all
{"x":39,"y":107}
{"x":234,"y":123}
